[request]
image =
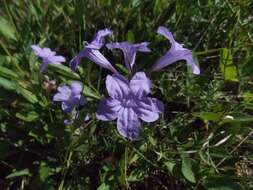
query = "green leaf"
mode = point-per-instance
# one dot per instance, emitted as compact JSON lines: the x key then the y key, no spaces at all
{"x":228,"y":69}
{"x":44,"y":172}
{"x":8,"y":73}
{"x":130,"y":36}
{"x":170,"y":166}
{"x":26,"y":94}
{"x":104,"y":186}
{"x":64,"y":71}
{"x":135,"y":176}
{"x":187,"y":170}
{"x":6,"y":29}
{"x":19,"y":173}
{"x":122,"y":68}
{"x":89,"y":92}
{"x":239,"y":118}
{"x":159,"y":5}
{"x":8,"y":85}
{"x":209,"y":116}
{"x":82,"y":148}
{"x":30,"y":116}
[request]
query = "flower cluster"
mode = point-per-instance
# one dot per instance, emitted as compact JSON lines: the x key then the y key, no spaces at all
{"x":129,"y":101}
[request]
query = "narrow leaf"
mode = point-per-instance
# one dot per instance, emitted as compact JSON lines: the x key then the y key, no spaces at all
{"x":187,"y":170}
{"x":63,"y":70}
{"x":6,"y":29}
{"x":228,"y":69}
{"x":8,"y":85}
{"x":19,"y":173}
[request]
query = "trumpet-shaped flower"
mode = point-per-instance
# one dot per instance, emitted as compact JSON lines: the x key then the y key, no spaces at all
{"x":176,"y":52}
{"x":70,"y":96}
{"x":129,"y":51}
{"x":47,"y":56}
{"x":129,"y":103}
{"x":91,"y":52}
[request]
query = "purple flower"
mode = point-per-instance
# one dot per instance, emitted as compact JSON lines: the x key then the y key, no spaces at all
{"x":175,"y":53}
{"x":47,"y":56}
{"x":128,"y":103}
{"x":129,"y":50}
{"x":91,"y":52}
{"x":70,"y":96}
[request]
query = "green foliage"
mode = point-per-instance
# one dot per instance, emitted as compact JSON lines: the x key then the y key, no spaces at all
{"x":204,"y":138}
{"x":6,"y":29}
{"x":187,"y":170}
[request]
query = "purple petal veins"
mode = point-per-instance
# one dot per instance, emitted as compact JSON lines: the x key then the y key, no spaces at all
{"x":70,"y":96}
{"x":128,"y":124}
{"x":129,"y":103}
{"x":91,"y":52}
{"x":129,"y":51}
{"x":98,"y":41}
{"x":176,"y":52}
{"x":47,"y":56}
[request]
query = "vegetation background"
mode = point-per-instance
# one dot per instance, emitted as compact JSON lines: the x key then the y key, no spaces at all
{"x":204,"y":138}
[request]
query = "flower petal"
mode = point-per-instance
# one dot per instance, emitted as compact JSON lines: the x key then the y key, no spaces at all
{"x":58,"y":97}
{"x":93,"y":55}
{"x":47,"y":55}
{"x":148,"y":109}
{"x":43,"y":66}
{"x":82,"y":101}
{"x":64,"y":89}
{"x":76,"y":87}
{"x":167,"y":34}
{"x":37,"y":50}
{"x":117,"y":86}
{"x":91,"y":51}
{"x":169,"y":58}
{"x":98,"y":58}
{"x":142,"y":47}
{"x":48,"y":52}
{"x":67,"y":107}
{"x":140,"y":85}
{"x":76,"y":60}
{"x":128,"y":124}
{"x":98,"y":41}
{"x":174,"y":56}
{"x":57,"y":59}
{"x":108,"y":109}
{"x":63,"y":94}
{"x":177,"y":52}
{"x":75,"y":99}
{"x":190,"y":61}
{"x":157,"y":106}
{"x":129,"y":50}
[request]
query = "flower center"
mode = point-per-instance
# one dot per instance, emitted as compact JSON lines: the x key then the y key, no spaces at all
{"x":127,"y":102}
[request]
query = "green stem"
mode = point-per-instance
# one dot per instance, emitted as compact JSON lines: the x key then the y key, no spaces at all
{"x":144,"y":157}
{"x":67,"y":159}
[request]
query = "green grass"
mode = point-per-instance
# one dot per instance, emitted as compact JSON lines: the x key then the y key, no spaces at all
{"x":195,"y":144}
